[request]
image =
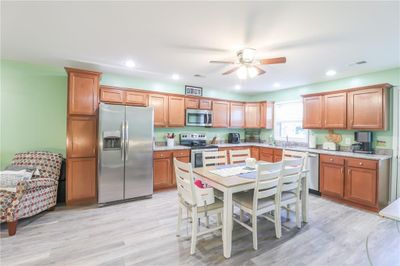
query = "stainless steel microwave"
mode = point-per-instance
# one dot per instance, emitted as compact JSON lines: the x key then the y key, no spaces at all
{"x":198,"y":118}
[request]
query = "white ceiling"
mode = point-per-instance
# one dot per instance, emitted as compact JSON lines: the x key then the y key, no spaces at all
{"x":175,"y":37}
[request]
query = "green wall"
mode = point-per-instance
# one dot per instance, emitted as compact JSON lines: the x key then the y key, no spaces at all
{"x":391,"y":76}
{"x":33,"y":101}
{"x":33,"y":109}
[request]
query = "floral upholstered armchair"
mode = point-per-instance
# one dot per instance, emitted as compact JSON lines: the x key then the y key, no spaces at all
{"x":35,"y":195}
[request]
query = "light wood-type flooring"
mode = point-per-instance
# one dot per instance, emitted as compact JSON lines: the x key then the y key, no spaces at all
{"x":143,"y":233}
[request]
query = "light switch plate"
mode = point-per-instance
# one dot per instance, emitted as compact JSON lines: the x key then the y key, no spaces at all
{"x":347,"y":141}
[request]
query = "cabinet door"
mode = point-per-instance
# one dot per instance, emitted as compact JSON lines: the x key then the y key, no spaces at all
{"x":176,"y":111}
{"x":220,"y":114}
{"x":112,"y":95}
{"x":255,"y":153}
{"x":162,"y":173}
{"x":83,"y":91}
{"x":332,"y":180}
{"x":253,"y":115}
{"x":267,"y":155}
{"x":82,"y":136}
{"x":237,"y":114}
{"x":335,"y":110}
{"x":267,"y":115}
{"x":360,"y":186}
{"x":366,"y":109}
{"x":312,"y":112}
{"x":136,"y":98}
{"x":205,"y":104}
{"x":160,"y":104}
{"x":81,"y":180}
{"x":191,"y":103}
{"x":182,"y":159}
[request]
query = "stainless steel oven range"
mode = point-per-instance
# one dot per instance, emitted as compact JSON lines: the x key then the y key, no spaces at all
{"x":198,"y":144}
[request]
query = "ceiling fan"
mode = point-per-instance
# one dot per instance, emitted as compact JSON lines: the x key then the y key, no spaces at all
{"x":247,"y":65}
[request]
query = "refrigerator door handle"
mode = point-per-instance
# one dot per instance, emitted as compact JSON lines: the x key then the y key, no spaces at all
{"x":126,"y":141}
{"x":122,"y":141}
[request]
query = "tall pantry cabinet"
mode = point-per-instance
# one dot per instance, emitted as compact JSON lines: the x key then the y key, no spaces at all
{"x":83,"y":102}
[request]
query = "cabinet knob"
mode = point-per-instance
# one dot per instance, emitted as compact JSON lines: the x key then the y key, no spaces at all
{"x":331,"y":159}
{"x":360,"y":163}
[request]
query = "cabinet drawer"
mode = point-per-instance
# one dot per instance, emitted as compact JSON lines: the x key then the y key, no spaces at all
{"x":362,"y":163}
{"x":181,"y":153}
{"x":331,"y":159}
{"x":266,"y":151}
{"x":161,"y":154}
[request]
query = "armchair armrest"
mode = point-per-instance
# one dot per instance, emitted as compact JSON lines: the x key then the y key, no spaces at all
{"x":36,"y":183}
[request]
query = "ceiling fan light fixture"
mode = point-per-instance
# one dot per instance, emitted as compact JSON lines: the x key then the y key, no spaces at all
{"x":247,"y":55}
{"x":242,"y":72}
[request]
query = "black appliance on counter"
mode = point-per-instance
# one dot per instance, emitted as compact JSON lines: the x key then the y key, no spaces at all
{"x":234,"y":138}
{"x":364,"y":139}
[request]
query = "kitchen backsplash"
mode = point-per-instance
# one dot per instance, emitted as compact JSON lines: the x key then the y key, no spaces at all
{"x":220,"y":133}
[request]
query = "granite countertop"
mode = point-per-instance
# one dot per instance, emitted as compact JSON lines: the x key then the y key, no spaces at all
{"x":293,"y":148}
{"x":306,"y":149}
{"x":166,"y":148}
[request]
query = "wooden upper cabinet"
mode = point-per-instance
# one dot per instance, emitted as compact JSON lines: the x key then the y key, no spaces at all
{"x":312,"y":112}
{"x":176,"y":111}
{"x":253,"y":113}
{"x":82,"y":136}
{"x":136,"y":98}
{"x":335,"y":110}
{"x":160,"y":104}
{"x":83,"y":92}
{"x":237,"y":114}
{"x":220,"y":114}
{"x":192,"y":103}
{"x":205,"y":104}
{"x":110,"y":95}
{"x":367,"y":109}
{"x":267,"y":115}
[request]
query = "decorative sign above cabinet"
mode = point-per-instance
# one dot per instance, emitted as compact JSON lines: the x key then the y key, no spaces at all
{"x":193,"y":91}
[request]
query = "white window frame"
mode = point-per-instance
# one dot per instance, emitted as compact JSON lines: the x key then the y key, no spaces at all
{"x":279,"y":138}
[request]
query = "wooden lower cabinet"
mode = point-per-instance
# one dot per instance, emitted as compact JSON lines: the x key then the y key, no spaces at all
{"x":361,"y":186}
{"x":332,"y":180}
{"x":81,"y":180}
{"x":350,"y":180}
{"x":163,"y":167}
{"x":266,"y":154}
{"x":255,"y":153}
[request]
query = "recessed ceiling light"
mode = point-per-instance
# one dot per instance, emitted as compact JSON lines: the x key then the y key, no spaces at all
{"x":130,"y":64}
{"x":277,"y":84}
{"x":237,"y":87}
{"x":330,"y":72}
{"x":175,"y":76}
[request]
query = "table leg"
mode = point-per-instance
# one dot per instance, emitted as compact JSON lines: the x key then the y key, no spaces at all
{"x":227,"y":224}
{"x":304,"y":198}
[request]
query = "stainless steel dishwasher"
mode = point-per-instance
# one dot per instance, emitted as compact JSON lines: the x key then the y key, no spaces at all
{"x":313,"y":175}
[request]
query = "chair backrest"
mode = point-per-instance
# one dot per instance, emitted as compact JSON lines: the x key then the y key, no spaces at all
{"x":238,"y":156}
{"x":48,"y":163}
{"x":214,"y":158}
{"x":287,"y":154}
{"x":267,"y":181}
{"x":184,"y":181}
{"x":291,"y":174}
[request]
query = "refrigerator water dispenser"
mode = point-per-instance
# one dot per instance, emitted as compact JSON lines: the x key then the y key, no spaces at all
{"x":111,"y":140}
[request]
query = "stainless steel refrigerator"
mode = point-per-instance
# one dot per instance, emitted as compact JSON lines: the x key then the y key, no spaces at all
{"x":125,"y":166}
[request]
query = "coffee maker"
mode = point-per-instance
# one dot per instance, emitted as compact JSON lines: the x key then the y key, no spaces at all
{"x":364,"y":142}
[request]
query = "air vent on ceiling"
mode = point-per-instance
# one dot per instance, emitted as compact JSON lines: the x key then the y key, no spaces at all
{"x":199,"y":76}
{"x":358,"y":63}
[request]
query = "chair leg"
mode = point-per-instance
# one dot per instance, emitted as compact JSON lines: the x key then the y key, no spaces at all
{"x":194,"y":233}
{"x":298,"y":221}
{"x":219,"y":219}
{"x":12,"y":228}
{"x":52,"y":208}
{"x":288,"y":212}
{"x":254,"y":226}
{"x":241,"y":215}
{"x":178,"y":228}
{"x":277,"y":218}
{"x":208,"y":221}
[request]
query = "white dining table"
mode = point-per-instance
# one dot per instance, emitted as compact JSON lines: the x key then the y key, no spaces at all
{"x":234,"y":184}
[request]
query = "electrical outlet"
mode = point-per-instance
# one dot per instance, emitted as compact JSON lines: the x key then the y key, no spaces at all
{"x":347,"y":141}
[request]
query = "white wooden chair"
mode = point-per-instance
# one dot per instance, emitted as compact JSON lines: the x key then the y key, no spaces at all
{"x":238,"y":156}
{"x":214,"y":158}
{"x":262,"y":200}
{"x":290,"y":185}
{"x":192,"y":201}
{"x":287,"y":154}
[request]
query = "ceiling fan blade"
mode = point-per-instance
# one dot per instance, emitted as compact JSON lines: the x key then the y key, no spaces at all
{"x":230,"y":71}
{"x":221,"y":62}
{"x":260,"y":71}
{"x":270,"y":61}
